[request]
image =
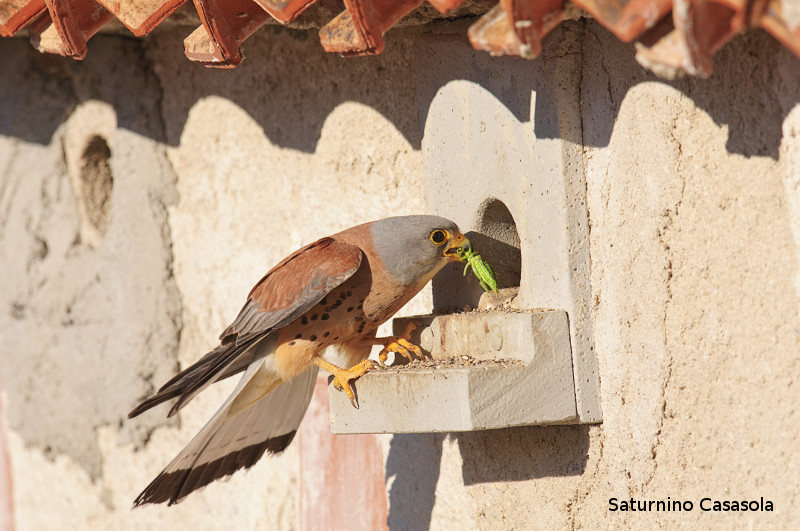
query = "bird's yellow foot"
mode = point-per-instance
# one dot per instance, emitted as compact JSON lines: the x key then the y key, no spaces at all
{"x":401,"y":346}
{"x":343,"y":377}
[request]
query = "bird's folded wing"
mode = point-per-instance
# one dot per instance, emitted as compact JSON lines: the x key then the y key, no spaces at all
{"x":286,"y":292}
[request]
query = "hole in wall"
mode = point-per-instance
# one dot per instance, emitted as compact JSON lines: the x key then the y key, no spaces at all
{"x":497,"y":237}
{"x":497,"y":241}
{"x":96,"y":183}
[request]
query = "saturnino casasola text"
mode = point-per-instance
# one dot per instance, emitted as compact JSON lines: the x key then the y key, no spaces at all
{"x":704,"y":504}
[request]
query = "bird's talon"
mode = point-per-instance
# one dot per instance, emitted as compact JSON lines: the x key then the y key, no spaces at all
{"x":343,"y":377}
{"x":382,"y":357}
{"x":401,"y":346}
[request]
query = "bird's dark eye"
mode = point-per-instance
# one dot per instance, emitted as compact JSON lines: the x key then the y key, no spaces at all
{"x":439,"y":236}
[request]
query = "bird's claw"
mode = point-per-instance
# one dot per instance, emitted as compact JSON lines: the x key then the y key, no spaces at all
{"x":343,"y":377}
{"x":401,"y":346}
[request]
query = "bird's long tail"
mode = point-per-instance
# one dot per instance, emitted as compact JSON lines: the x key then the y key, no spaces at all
{"x":262,"y":414}
{"x":209,"y":369}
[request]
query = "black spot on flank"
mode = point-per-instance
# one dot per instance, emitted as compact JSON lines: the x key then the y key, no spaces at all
{"x":362,"y":300}
{"x":313,"y":338}
{"x":349,"y":293}
{"x":349,"y":308}
{"x":375,"y":320}
{"x":336,"y":338}
{"x":314,"y":317}
{"x":360,"y":306}
{"x":326,"y":334}
{"x":304,"y":320}
{"x":324,"y":300}
{"x":325,"y":316}
{"x":291,"y":343}
{"x":298,"y":336}
{"x":337,"y":303}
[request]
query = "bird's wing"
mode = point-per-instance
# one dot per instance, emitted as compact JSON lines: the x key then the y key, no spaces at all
{"x":286,"y":292}
{"x":261,"y":415}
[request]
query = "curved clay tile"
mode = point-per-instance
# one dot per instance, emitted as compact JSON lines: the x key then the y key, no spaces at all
{"x":285,"y":11}
{"x":493,"y":33}
{"x":443,"y":6}
{"x":66,"y":26}
{"x":699,"y":29}
{"x":14,"y":14}
{"x":531,"y":21}
{"x":706,"y":26}
{"x":141,"y":16}
{"x":226,"y":24}
{"x":359,"y":30}
{"x":770,"y":16}
{"x":516,"y":27}
{"x":627,"y":19}
{"x":682,"y":43}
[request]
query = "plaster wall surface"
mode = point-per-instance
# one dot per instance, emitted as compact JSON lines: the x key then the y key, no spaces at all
{"x":694,"y":267}
{"x":694,"y":216}
{"x":253,"y":164}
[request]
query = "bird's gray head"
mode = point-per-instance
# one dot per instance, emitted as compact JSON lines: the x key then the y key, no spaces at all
{"x":414,"y":248}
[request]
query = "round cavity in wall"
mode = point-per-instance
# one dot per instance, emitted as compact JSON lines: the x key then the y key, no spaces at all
{"x":94,"y":188}
{"x":88,"y":143}
{"x":97,"y":181}
{"x":498,"y":242}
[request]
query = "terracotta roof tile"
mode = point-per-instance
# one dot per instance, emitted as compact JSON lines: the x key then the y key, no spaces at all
{"x":784,"y":27}
{"x":359,"y":29}
{"x":285,"y":10}
{"x":516,"y":27}
{"x":226,"y":24}
{"x":443,"y":6}
{"x":141,"y":16}
{"x":14,"y":14}
{"x":670,"y":45}
{"x":493,"y":33}
{"x":66,"y":26}
{"x":627,"y":19}
{"x":672,"y":37}
{"x":700,"y":29}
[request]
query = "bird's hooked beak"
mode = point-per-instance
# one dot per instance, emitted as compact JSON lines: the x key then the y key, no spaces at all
{"x":456,"y":247}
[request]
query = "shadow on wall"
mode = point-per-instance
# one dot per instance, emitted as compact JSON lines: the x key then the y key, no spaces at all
{"x":610,"y":71}
{"x":511,"y":454}
{"x":291,"y":99}
{"x":112,"y":73}
{"x":733,"y":97}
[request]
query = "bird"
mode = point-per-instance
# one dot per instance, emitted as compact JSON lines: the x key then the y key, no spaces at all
{"x":334,"y":292}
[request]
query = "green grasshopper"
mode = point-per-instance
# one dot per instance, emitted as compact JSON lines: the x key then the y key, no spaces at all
{"x":481,"y":269}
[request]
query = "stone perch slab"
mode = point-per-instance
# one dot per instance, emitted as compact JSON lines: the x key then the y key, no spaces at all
{"x":533,"y":385}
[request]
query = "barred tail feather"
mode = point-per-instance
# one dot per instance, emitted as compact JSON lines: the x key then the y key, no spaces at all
{"x":205,"y":371}
{"x":238,"y":434}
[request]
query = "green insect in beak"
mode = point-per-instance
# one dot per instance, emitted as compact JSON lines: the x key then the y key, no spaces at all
{"x":480,"y":268}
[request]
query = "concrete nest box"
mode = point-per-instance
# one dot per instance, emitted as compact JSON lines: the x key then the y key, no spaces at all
{"x":512,"y":179}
